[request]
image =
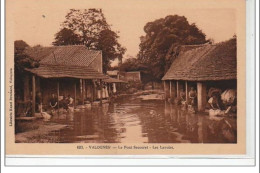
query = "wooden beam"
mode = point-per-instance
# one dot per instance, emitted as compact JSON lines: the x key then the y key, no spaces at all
{"x":33,"y":95}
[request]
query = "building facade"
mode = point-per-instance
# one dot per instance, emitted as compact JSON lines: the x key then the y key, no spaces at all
{"x":202,"y":67}
{"x":64,"y":70}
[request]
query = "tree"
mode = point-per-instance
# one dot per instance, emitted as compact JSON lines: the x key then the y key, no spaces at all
{"x":21,"y":61}
{"x":161,"y":36}
{"x":111,"y":49}
{"x":134,"y":64}
{"x":66,"y":37}
{"x":20,"y":46}
{"x":90,"y":28}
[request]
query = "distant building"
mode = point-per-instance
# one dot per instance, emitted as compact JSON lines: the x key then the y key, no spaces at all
{"x":113,"y":74}
{"x":131,"y":76}
{"x":202,"y":67}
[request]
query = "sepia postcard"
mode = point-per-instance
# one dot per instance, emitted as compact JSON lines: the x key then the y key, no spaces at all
{"x":130,"y":77}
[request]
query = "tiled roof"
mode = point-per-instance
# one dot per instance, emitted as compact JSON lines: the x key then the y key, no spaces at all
{"x":76,"y":55}
{"x":205,"y":62}
{"x":61,"y":71}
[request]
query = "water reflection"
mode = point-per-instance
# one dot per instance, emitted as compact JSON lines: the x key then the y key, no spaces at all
{"x":133,"y":120}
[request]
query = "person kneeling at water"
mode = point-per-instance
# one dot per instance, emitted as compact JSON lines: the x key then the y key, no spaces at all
{"x":217,"y":105}
{"x":192,"y":96}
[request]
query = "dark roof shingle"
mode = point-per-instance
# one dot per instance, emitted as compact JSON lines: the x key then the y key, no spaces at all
{"x":75,"y":55}
{"x":205,"y":62}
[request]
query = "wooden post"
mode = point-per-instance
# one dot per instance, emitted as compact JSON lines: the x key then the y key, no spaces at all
{"x":178,"y":88}
{"x":172,"y":89}
{"x":80,"y":85}
{"x":86,"y":87}
{"x":33,"y":95}
{"x":101,"y":94}
{"x":58,"y":95}
{"x":93,"y":91}
{"x":83,"y":91}
{"x":187,"y":92}
{"x":75,"y":94}
{"x":202,"y":96}
{"x":109,"y":90}
{"x":166,"y":89}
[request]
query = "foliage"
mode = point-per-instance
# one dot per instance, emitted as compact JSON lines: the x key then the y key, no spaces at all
{"x":21,"y":61}
{"x":66,"y":36}
{"x":163,"y":35}
{"x":134,"y":64}
{"x":89,"y":27}
{"x":111,"y":49}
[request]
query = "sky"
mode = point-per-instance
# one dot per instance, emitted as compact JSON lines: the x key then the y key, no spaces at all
{"x":36,"y":22}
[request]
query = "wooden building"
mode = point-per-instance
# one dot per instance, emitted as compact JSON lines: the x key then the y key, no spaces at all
{"x":202,"y":67}
{"x":64,"y":70}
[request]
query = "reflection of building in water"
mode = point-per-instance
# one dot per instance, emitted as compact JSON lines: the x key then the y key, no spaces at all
{"x":197,"y":128}
{"x":200,"y":130}
{"x":201,"y":67}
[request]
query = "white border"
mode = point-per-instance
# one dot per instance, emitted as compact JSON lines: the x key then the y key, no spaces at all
{"x":250,"y":78}
{"x":127,"y":162}
{"x":236,"y":160}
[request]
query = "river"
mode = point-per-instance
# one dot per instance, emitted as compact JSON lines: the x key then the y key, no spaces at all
{"x":138,"y":119}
